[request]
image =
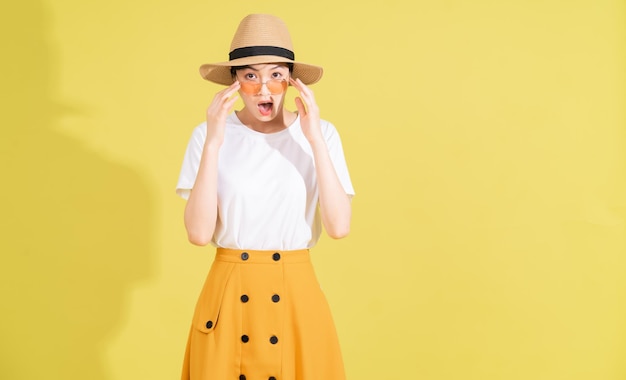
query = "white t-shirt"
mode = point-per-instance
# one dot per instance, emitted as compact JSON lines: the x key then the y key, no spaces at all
{"x":267,"y":187}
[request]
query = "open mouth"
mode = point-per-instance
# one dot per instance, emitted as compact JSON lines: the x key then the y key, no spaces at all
{"x":265,"y":108}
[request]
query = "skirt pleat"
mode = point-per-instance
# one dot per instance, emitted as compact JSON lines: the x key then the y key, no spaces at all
{"x":261,"y":315}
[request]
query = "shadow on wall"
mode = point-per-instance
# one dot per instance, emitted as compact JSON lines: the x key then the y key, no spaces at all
{"x":75,"y":227}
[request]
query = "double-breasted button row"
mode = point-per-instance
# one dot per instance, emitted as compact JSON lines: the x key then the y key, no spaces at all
{"x":244,"y":298}
{"x":245,"y":256}
{"x":246,"y":339}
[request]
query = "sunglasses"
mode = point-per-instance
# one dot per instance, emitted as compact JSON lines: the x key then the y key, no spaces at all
{"x":275,"y":86}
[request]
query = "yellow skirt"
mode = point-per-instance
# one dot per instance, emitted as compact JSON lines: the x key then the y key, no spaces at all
{"x":261,"y":315}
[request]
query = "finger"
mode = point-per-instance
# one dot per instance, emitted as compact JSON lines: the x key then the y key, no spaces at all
{"x":305,"y":92}
{"x":297,"y":83}
{"x":230,"y":89}
{"x":309,"y":102}
{"x":293,"y":82}
{"x":301,"y":87}
{"x":226,"y":93}
{"x":231,"y":102}
{"x":300,"y":107}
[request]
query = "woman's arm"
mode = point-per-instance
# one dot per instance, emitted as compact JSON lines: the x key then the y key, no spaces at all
{"x":201,"y":208}
{"x":335,"y":204}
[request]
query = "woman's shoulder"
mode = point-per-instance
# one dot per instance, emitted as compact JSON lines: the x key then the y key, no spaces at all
{"x":328,"y":129}
{"x":198,"y":134}
{"x":199,"y":130}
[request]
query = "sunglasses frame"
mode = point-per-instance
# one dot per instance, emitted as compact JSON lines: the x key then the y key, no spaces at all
{"x":252,"y":87}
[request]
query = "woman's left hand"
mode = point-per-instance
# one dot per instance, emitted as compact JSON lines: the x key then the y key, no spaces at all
{"x":335,"y":208}
{"x":309,"y":112}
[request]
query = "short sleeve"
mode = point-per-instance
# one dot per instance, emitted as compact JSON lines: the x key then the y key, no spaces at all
{"x":335,"y":150}
{"x":191,"y":162}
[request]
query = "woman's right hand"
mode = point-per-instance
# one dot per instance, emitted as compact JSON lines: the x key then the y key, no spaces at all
{"x":201,"y":208}
{"x":217,"y":112}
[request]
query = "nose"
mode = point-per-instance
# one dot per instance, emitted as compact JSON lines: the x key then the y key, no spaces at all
{"x":264,"y":90}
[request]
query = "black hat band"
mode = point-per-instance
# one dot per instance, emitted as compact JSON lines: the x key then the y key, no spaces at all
{"x":250,"y":51}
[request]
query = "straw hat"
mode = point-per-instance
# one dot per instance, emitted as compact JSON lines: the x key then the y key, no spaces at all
{"x":260,"y":38}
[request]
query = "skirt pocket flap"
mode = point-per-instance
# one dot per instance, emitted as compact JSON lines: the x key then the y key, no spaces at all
{"x":207,"y":311}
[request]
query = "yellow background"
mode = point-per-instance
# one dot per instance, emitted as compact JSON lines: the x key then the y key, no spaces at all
{"x":486,"y":141}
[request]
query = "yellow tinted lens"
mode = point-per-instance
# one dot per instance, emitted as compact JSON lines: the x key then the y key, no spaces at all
{"x":276,"y":86}
{"x":250,"y":88}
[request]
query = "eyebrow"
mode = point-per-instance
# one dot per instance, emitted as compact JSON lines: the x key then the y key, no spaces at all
{"x":275,"y":67}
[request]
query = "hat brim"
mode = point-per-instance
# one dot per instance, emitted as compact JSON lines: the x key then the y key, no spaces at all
{"x":220,"y":72}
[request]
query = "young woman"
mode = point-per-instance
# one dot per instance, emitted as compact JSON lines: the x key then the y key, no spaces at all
{"x":259,"y":183}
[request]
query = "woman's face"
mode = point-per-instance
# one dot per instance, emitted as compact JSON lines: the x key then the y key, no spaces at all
{"x":263,"y":89}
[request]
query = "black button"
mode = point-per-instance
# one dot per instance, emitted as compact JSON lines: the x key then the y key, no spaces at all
{"x":273,"y":339}
{"x":242,"y":377}
{"x":245,"y":298}
{"x":275,"y":298}
{"x":272,"y":378}
{"x":245,"y":338}
{"x":245,"y":256}
{"x":209,"y":324}
{"x":276,"y":256}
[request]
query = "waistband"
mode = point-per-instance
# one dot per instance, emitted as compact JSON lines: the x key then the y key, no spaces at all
{"x":248,"y":256}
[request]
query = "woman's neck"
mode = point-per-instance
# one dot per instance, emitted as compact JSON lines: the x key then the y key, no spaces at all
{"x":282,"y":121}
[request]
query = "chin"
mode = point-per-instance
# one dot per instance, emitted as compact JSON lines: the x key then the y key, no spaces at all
{"x":265,"y":117}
